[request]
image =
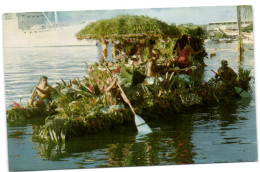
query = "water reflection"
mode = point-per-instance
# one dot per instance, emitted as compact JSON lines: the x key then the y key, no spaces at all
{"x":170,"y":145}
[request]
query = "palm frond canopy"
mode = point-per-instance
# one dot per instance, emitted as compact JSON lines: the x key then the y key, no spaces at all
{"x":126,"y":26}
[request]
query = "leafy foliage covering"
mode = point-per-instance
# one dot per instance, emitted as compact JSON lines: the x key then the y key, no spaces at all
{"x":20,"y":113}
{"x":243,"y":79}
{"x":82,"y":107}
{"x":128,"y":26}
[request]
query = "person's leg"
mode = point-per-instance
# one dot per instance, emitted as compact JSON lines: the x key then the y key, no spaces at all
{"x":39,"y":103}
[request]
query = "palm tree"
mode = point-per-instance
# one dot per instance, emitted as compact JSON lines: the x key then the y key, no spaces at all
{"x":245,"y":12}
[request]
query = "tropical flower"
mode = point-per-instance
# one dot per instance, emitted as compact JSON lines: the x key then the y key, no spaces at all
{"x":17,"y":105}
{"x":118,"y":69}
{"x":75,"y":82}
{"x":91,"y":88}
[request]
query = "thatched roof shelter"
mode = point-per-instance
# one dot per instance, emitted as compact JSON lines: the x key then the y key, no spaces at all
{"x":128,"y":26}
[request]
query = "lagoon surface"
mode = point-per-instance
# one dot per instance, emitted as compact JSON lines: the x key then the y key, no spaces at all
{"x":202,"y":135}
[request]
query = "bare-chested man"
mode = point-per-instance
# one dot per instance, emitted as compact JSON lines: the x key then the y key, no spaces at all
{"x":226,"y":73}
{"x":41,"y":95}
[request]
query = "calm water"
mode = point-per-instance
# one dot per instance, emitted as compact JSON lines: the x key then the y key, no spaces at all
{"x":209,"y":135}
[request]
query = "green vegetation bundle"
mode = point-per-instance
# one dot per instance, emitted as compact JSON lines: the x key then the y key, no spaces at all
{"x":133,"y":33}
{"x":243,"y":79}
{"x":20,"y":113}
{"x":81,"y":106}
{"x":128,"y":26}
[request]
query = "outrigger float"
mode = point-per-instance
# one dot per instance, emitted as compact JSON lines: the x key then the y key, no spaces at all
{"x":83,"y":106}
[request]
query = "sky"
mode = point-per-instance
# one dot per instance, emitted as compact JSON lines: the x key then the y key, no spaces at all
{"x":195,"y":15}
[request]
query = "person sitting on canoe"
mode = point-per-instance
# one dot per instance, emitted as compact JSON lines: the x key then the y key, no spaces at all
{"x":41,"y":95}
{"x":184,"y":49}
{"x":226,"y":73}
{"x":113,"y":90}
{"x":152,"y":67}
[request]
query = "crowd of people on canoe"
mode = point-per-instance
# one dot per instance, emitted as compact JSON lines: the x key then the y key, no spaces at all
{"x":41,"y":95}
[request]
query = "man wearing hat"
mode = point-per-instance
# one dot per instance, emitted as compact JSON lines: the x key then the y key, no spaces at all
{"x":225,"y":73}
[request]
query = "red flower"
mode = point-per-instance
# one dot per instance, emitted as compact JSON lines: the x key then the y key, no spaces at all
{"x":75,"y":82}
{"x":163,"y":104}
{"x":102,"y":90}
{"x":118,"y":69}
{"x":91,"y":88}
{"x":181,"y":162}
{"x":205,"y":92}
{"x":181,"y":144}
{"x":185,"y":150}
{"x":97,"y":81}
{"x":17,"y":105}
{"x":92,"y":99}
{"x":79,"y":119}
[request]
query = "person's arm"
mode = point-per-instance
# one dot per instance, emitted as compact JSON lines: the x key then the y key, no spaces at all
{"x":194,"y":52}
{"x":45,"y":90}
{"x":149,"y":69}
{"x":34,"y":93}
{"x":111,"y":85}
{"x":233,"y":74}
{"x":218,"y":73}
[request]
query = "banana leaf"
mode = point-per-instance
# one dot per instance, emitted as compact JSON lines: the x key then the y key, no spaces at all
{"x":138,"y":78}
{"x":66,"y":91}
{"x":126,"y":76}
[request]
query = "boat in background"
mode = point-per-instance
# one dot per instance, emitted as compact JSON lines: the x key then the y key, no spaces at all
{"x":34,"y":29}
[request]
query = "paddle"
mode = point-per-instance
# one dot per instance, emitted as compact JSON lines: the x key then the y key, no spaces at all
{"x":141,"y":125}
{"x":242,"y":93}
{"x":33,"y":93}
{"x":32,"y":96}
{"x":34,"y":90}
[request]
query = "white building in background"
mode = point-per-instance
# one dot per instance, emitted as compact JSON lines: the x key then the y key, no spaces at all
{"x":215,"y":26}
{"x":34,"y":29}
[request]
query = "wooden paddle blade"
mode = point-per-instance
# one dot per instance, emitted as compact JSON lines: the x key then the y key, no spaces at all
{"x":141,"y":125}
